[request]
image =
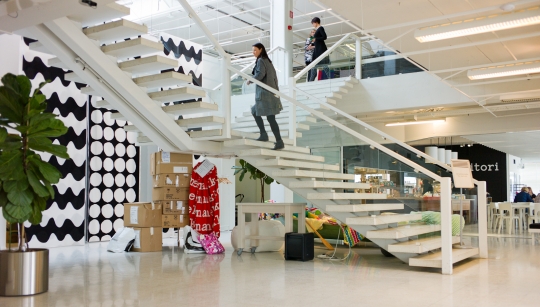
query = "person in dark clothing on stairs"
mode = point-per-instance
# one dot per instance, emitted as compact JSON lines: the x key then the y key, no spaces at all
{"x":266,"y":103}
{"x":320,"y":46}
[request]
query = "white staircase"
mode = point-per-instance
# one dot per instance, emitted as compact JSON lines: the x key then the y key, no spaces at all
{"x":128,"y":75}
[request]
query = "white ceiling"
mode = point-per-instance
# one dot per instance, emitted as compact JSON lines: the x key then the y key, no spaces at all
{"x":525,"y":145}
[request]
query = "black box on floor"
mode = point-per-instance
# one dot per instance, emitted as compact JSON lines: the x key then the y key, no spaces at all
{"x":299,"y":246}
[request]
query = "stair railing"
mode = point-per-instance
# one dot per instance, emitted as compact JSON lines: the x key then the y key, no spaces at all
{"x":482,"y":198}
{"x":446,"y":187}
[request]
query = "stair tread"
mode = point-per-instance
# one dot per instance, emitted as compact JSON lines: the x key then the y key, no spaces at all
{"x":115,"y":30}
{"x":402,"y":231}
{"x":177,"y":94}
{"x":100,"y":14}
{"x":282,"y":123}
{"x":191,"y":108}
{"x":55,"y":62}
{"x":279,"y":120}
{"x":153,"y":63}
{"x":434,"y":260}
{"x":134,"y":47}
{"x":255,"y":129}
{"x":248,"y":143}
{"x":382,"y":219}
{"x":345,"y":196}
{"x":282,"y":163}
{"x":102,"y":104}
{"x":73,"y":77}
{"x":200,"y":121}
{"x":364,"y":207}
{"x":38,"y":46}
{"x":165,"y":79}
{"x":259,"y":152}
{"x":329,"y":185}
{"x":419,"y":246}
{"x":313,"y":174}
{"x":250,"y":135}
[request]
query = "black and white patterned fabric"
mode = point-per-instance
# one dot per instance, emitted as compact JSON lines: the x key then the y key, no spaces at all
{"x":113,"y":173}
{"x":63,"y":220}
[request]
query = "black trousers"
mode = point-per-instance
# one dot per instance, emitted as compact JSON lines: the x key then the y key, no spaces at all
{"x":273,"y":125}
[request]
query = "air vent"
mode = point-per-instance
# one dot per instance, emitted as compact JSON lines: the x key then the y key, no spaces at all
{"x":521,"y":97}
{"x":521,"y":100}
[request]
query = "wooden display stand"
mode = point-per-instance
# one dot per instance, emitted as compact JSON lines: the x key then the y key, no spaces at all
{"x":255,"y":208}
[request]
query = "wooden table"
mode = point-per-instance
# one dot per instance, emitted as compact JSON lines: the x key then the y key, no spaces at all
{"x":255,"y":208}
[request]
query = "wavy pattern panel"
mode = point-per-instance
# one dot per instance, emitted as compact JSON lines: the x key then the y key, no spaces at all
{"x":188,"y":54}
{"x":63,"y":220}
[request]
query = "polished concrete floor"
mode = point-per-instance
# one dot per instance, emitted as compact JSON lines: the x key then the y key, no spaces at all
{"x":90,"y":276}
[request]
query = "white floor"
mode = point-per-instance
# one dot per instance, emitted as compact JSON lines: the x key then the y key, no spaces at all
{"x":90,"y":276}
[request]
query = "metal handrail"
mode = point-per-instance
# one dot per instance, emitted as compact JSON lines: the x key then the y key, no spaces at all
{"x":324,"y":55}
{"x":335,"y":123}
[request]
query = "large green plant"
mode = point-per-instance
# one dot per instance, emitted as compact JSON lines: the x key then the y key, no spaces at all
{"x":254,"y":173}
{"x":26,"y":128}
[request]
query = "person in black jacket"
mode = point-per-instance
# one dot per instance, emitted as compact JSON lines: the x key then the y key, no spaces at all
{"x":320,"y":47}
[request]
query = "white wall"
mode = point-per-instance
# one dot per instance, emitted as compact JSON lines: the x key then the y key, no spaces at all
{"x":530,"y":175}
{"x":514,"y":173}
{"x":10,"y":62}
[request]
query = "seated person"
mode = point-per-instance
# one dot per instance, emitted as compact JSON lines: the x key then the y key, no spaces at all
{"x":523,"y":196}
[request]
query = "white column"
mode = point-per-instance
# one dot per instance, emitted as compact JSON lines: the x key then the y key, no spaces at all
{"x":358,"y":63}
{"x":280,"y":193}
{"x":145,"y":178}
{"x":281,"y":36}
{"x":226,"y":95}
{"x":292,"y":111}
{"x":482,"y":220}
{"x":446,"y":225}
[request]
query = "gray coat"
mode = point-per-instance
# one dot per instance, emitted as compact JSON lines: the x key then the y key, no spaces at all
{"x":266,"y":103}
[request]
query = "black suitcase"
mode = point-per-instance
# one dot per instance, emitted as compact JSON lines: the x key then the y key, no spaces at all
{"x":299,"y":246}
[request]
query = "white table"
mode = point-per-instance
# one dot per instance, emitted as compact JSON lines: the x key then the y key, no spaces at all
{"x":255,"y":208}
{"x":521,"y":207}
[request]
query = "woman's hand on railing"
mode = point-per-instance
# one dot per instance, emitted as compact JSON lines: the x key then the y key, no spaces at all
{"x":248,"y":82}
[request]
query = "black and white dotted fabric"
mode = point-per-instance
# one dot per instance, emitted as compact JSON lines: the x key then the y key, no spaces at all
{"x":113,"y":173}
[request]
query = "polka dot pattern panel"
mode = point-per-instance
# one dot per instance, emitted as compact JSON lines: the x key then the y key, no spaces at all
{"x":114,"y":172}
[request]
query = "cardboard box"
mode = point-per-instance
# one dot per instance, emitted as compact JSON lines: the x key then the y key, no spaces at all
{"x":161,"y":194}
{"x":175,"y":207}
{"x":148,"y":239}
{"x":175,"y":220}
{"x":170,"y":163}
{"x":171,"y":168}
{"x":171,"y":157}
{"x":142,"y":215}
{"x":171,"y":180}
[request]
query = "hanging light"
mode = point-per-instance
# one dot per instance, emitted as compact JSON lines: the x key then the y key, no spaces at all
{"x":454,"y":155}
{"x":441,"y":154}
{"x":448,"y":156}
{"x":432,"y":152}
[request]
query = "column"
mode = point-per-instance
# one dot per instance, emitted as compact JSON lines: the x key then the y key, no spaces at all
{"x":281,"y":36}
{"x":280,"y":193}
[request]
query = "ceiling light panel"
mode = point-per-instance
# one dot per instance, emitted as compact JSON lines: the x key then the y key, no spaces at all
{"x":504,"y":70}
{"x":479,"y":25}
{"x":417,"y":122}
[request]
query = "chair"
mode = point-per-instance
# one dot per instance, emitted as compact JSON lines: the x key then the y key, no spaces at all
{"x":494,"y":215}
{"x":507,"y":213}
{"x":535,"y":215}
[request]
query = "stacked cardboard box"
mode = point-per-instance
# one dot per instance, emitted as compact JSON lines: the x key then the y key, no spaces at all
{"x":145,"y":218}
{"x":171,"y":175}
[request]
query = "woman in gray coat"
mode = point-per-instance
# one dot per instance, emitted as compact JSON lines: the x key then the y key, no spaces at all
{"x":266,"y":103}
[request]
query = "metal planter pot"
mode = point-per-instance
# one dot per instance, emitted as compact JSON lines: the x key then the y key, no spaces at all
{"x":24,"y":273}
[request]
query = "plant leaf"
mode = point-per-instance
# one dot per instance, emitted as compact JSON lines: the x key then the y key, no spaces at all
{"x":46,"y":170}
{"x":10,"y":107}
{"x":3,"y":134}
{"x":242,"y":175}
{"x":46,"y":145}
{"x":11,"y":165}
{"x":16,"y":214}
{"x":15,"y":186}
{"x":38,"y":206}
{"x":268,"y":180}
{"x":21,"y":198}
{"x":25,"y":86}
{"x":37,"y":186}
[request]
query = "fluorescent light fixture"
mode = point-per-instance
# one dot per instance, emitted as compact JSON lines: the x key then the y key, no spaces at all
{"x":417,"y":122}
{"x":479,"y":25}
{"x":504,"y":70}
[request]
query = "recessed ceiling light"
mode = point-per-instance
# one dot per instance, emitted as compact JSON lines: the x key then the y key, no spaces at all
{"x":479,"y":25}
{"x":417,"y":122}
{"x":504,"y":70}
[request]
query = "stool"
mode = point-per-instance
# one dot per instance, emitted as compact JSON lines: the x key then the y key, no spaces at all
{"x":255,"y":208}
{"x":534,"y":229}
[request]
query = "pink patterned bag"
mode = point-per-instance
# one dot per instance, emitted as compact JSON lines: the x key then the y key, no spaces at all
{"x":211,"y":244}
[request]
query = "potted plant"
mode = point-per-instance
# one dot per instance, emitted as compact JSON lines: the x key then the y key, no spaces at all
{"x":254,"y":173}
{"x":25,"y":179}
